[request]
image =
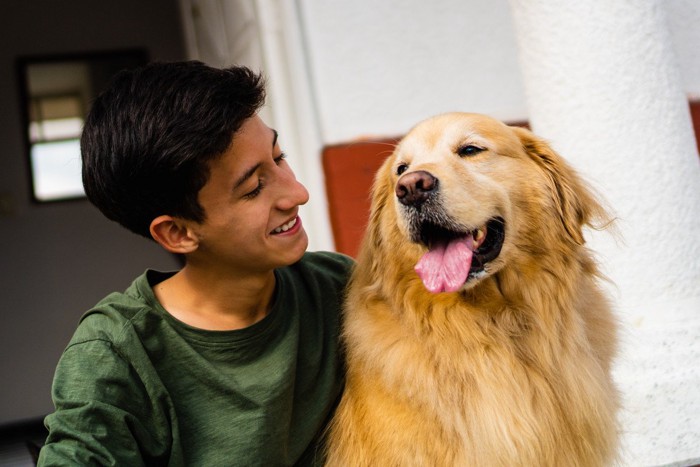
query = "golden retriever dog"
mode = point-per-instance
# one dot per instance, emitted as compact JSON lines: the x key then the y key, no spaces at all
{"x":475,"y":331}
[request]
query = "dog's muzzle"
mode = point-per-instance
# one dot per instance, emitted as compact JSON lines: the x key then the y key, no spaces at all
{"x":447,"y":265}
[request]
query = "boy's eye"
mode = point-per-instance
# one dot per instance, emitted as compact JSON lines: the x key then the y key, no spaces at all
{"x":261,"y":183}
{"x":280,"y":158}
{"x":256,"y":191}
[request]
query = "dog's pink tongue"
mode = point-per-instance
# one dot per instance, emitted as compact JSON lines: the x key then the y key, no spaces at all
{"x":446,"y":266}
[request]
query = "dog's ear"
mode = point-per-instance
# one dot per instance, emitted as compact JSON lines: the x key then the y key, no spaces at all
{"x":381,"y":194}
{"x":576,"y":204}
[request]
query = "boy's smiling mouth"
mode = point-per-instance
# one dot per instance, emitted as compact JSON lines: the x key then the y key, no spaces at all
{"x":286,"y":227}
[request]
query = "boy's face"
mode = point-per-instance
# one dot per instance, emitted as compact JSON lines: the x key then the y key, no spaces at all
{"x":251,"y":203}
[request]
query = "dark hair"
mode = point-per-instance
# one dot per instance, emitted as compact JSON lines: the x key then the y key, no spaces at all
{"x":148,"y":139}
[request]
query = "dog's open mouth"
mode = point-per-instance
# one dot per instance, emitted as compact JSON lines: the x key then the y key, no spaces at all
{"x":454,"y":258}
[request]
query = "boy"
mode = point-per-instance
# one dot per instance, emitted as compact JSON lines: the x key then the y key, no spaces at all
{"x":233,"y":360}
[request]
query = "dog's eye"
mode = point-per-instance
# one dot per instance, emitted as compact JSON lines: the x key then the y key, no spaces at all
{"x":401,"y":169}
{"x":469,"y":150}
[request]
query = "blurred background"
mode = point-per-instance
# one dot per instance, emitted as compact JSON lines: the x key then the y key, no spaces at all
{"x":613,"y":85}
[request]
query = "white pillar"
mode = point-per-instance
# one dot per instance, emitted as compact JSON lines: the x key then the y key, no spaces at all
{"x":603,"y":86}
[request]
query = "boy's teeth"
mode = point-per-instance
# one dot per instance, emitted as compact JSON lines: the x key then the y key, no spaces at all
{"x":286,"y":226}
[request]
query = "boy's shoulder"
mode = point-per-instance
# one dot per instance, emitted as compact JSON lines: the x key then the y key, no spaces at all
{"x":326,"y":260}
{"x":317,"y":264}
{"x":109,"y":318}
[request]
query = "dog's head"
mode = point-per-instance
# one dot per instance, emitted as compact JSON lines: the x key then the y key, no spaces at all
{"x":464,"y":196}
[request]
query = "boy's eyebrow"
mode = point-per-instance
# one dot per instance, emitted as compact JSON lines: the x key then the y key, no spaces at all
{"x":249,"y":173}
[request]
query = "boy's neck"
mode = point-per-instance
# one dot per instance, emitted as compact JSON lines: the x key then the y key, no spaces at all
{"x":216,"y":302}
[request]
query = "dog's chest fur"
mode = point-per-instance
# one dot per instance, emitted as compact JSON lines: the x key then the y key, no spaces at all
{"x":486,"y":385}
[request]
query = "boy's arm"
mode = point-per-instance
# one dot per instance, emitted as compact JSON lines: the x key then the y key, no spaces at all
{"x":103,"y":415}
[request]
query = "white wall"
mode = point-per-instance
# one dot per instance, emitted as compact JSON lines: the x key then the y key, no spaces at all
{"x":683,"y":18}
{"x":378,"y":67}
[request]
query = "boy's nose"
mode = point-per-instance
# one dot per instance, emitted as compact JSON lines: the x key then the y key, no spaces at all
{"x":294,"y":194}
{"x":303,"y":193}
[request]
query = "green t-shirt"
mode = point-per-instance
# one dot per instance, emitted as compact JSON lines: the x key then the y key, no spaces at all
{"x":135,"y":386}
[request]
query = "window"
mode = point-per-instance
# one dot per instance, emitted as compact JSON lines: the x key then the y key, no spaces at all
{"x":56,"y":93}
{"x":55,"y":123}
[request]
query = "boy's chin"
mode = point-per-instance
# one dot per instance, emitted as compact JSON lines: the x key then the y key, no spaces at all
{"x":295,"y":253}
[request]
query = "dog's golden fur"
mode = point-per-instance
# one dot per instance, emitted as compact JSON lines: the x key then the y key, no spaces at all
{"x":513,"y":369}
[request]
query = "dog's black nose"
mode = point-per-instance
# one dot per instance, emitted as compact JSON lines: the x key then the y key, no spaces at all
{"x":414,"y":188}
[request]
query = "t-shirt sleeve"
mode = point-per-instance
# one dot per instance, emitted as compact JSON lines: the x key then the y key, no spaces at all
{"x":101,"y":405}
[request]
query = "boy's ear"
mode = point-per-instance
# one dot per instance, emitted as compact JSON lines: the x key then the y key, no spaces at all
{"x":174,"y":234}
